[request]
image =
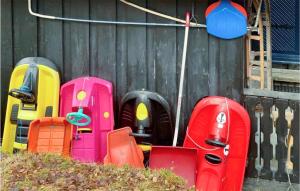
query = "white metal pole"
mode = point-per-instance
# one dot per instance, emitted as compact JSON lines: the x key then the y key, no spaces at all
{"x":186,"y":36}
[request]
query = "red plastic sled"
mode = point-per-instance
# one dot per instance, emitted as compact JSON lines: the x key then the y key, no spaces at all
{"x":220,"y":129}
{"x":182,"y":161}
{"x":50,"y":134}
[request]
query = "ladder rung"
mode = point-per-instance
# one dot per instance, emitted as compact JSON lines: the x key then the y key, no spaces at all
{"x":257,"y":63}
{"x":257,"y":78}
{"x":252,"y":37}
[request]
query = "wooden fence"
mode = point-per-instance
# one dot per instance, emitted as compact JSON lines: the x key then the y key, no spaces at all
{"x":260,"y":111}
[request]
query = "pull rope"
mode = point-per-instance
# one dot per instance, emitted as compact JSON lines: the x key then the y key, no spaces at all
{"x":193,"y":18}
{"x":216,"y":148}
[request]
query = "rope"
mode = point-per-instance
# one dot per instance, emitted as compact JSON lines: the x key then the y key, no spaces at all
{"x":216,"y":148}
{"x":193,"y":18}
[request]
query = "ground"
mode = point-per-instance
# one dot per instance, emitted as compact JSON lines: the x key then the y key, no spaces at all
{"x":25,"y":171}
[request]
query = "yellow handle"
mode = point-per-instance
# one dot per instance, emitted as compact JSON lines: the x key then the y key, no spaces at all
{"x":145,"y":147}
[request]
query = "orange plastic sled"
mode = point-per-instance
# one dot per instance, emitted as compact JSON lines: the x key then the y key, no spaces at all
{"x":122,"y":149}
{"x":50,"y":135}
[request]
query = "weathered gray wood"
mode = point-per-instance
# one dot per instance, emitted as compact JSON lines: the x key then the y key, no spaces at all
{"x":273,"y":94}
{"x":250,"y":103}
{"x":214,"y":60}
{"x":162,"y":56}
{"x":295,"y":105}
{"x":24,"y":30}
{"x":103,"y":42}
{"x":121,"y":54}
{"x":50,"y":45}
{"x":136,"y":50}
{"x":231,"y":68}
{"x":76,"y":40}
{"x":281,"y":134}
{"x":197,"y":60}
{"x":6,"y":53}
{"x":131,"y":49}
{"x":267,"y":129}
{"x":286,"y":75}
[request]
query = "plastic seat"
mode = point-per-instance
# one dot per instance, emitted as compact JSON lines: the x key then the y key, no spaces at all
{"x":122,"y":149}
{"x":50,"y":135}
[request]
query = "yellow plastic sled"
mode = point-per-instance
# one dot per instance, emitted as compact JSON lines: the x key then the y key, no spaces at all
{"x":33,"y":93}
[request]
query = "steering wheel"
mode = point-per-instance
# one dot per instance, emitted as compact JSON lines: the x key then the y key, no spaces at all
{"x":76,"y":118}
{"x":24,"y":96}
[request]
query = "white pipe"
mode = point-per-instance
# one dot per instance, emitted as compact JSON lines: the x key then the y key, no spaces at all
{"x":103,"y":21}
{"x":179,"y":101}
{"x":37,"y":14}
{"x":114,"y":22}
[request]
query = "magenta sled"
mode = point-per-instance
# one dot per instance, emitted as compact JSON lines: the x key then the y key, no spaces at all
{"x":87,"y":103}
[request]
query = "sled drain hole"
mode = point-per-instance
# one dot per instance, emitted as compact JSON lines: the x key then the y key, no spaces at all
{"x":213,"y":159}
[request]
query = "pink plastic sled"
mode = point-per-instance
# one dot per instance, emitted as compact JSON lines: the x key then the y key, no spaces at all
{"x":92,"y":98}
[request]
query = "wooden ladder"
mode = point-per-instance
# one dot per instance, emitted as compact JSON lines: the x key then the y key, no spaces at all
{"x":258,"y":59}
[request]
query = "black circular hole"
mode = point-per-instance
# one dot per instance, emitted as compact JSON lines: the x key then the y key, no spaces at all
{"x":213,"y":159}
{"x":215,"y":143}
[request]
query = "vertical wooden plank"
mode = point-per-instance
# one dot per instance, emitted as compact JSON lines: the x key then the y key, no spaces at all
{"x":6,"y":54}
{"x":281,"y":134}
{"x":136,"y":49}
{"x":213,"y":60}
{"x":24,"y":30}
{"x":132,"y":49}
{"x":151,"y":52}
{"x":121,"y":54}
{"x":196,"y":76}
{"x":162,"y":53}
{"x":50,"y":45}
{"x":103,"y":42}
{"x":231,"y":68}
{"x":76,"y":40}
{"x":295,"y":105}
{"x":267,"y":129}
{"x":250,"y":104}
